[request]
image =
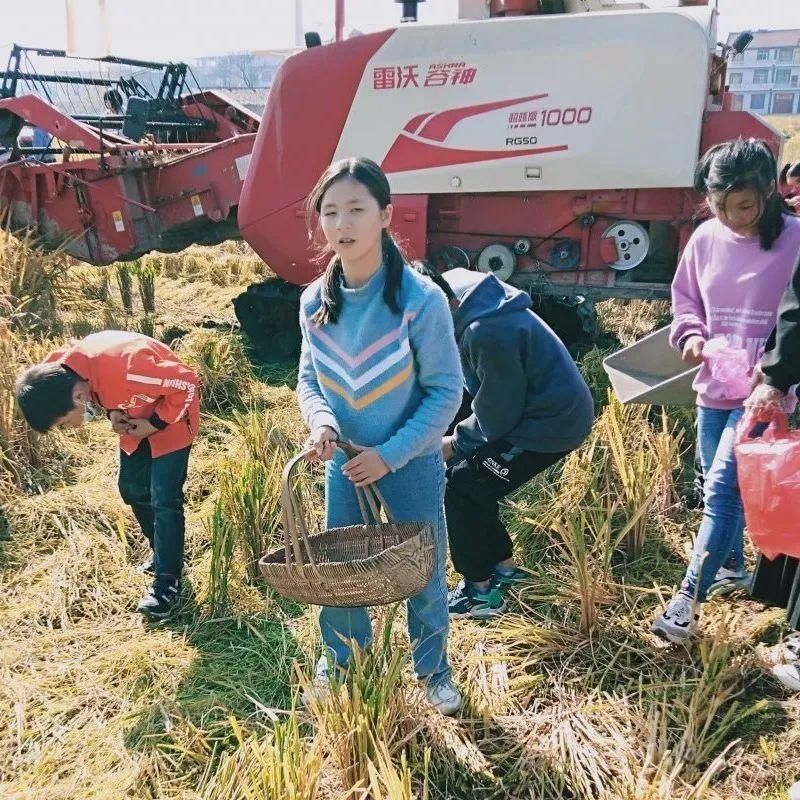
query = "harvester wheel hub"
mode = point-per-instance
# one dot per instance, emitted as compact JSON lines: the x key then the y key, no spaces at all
{"x":631,"y":243}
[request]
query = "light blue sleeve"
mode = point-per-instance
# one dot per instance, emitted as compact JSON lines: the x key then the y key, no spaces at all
{"x":439,"y":376}
{"x":313,"y":406}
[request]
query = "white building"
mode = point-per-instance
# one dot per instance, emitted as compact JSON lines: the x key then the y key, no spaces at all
{"x":765,"y":77}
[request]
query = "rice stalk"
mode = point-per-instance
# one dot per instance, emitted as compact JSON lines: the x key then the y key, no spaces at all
{"x":222,"y":537}
{"x":223,"y":368}
{"x":282,"y":766}
{"x":365,"y":706}
{"x":643,"y":464}
{"x":125,"y":286}
{"x":146,"y":280}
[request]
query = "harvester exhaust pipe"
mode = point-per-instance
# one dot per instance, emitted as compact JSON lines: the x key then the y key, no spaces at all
{"x":339,"y":21}
{"x":409,"y":9}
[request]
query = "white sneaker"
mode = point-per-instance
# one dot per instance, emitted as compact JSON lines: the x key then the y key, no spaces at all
{"x":785,"y":652}
{"x":320,"y":688}
{"x":794,"y":791}
{"x":789,"y":676}
{"x":679,"y":620}
{"x":444,"y":696}
{"x":727,"y":581}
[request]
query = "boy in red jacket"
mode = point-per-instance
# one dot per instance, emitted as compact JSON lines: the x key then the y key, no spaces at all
{"x":153,"y":403}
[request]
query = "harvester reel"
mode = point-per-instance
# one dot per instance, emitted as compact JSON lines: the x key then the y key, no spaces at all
{"x":631,"y":241}
{"x":498,"y":259}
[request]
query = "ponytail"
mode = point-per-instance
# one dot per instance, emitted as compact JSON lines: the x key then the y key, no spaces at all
{"x":394,"y":262}
{"x":330,"y":293}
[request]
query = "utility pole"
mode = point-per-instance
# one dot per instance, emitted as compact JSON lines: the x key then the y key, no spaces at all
{"x":298,"y":24}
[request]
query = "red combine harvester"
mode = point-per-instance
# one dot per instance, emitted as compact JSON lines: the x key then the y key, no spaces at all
{"x":127,"y":158}
{"x":554,"y":149}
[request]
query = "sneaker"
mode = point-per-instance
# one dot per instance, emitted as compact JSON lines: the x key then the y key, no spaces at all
{"x":161,"y":599}
{"x":319,"y":690}
{"x":444,"y":696}
{"x":727,"y":581}
{"x":467,"y":601}
{"x":794,"y":791}
{"x":789,"y":649}
{"x":679,"y":620}
{"x":789,"y":676}
{"x":503,"y":579}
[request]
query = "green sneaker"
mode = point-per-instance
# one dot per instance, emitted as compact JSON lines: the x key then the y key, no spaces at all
{"x":503,"y":579}
{"x":467,"y":601}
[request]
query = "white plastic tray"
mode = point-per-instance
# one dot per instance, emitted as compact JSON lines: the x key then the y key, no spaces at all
{"x":651,"y":372}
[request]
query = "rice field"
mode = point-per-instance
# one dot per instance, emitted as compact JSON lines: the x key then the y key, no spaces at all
{"x":568,"y":696}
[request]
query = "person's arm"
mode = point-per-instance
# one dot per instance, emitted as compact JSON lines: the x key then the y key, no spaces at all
{"x":174,"y":384}
{"x":500,"y":400}
{"x":314,"y":408}
{"x":688,"y":312}
{"x":439,"y":375}
{"x":781,"y":365}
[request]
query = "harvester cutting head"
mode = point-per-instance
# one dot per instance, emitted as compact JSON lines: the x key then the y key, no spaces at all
{"x":113,"y":157}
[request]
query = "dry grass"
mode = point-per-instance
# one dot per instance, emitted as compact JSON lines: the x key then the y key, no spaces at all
{"x":790,"y":126}
{"x":567,"y":697}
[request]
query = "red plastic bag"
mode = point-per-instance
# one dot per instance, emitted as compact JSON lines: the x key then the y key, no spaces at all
{"x":768,"y":469}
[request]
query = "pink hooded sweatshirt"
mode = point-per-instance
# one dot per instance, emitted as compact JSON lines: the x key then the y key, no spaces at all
{"x":726,"y":285}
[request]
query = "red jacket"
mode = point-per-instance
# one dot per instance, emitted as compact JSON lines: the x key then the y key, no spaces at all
{"x":142,"y":377}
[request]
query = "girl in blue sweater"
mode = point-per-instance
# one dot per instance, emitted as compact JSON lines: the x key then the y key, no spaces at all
{"x":379,"y":368}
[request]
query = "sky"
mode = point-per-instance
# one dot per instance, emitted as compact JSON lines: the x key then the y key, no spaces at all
{"x":184,"y":29}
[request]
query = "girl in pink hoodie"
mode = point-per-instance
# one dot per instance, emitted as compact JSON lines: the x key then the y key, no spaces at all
{"x":727,"y":287}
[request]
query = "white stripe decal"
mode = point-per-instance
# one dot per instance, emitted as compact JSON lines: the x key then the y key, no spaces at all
{"x":357,"y":383}
{"x":144,"y":379}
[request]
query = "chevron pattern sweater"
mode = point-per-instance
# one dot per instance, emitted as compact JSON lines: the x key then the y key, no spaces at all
{"x":380,"y":379}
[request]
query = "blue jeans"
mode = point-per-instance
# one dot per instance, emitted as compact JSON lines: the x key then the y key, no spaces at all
{"x":415,"y":493}
{"x":153,"y":488}
{"x":720,"y":540}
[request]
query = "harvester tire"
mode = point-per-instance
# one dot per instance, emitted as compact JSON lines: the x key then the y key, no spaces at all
{"x":573,"y":319}
{"x":269,"y":313}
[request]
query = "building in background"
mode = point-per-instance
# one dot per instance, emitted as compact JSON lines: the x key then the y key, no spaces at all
{"x":765,"y":78}
{"x":245,"y":76}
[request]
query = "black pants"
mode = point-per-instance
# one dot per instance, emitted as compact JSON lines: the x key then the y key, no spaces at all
{"x":153,"y":488}
{"x":777,"y":582}
{"x":478,"y":539}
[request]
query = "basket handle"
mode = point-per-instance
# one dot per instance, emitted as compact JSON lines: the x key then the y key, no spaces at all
{"x":370,"y":501}
{"x":371,"y":495}
{"x":291,"y":514}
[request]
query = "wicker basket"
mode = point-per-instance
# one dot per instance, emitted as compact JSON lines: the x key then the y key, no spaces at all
{"x":361,"y":565}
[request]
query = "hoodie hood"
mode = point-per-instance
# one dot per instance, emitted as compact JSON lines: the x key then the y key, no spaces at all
{"x":482,"y":295}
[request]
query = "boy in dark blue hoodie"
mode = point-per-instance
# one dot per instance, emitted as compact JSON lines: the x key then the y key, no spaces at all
{"x":528,"y":408}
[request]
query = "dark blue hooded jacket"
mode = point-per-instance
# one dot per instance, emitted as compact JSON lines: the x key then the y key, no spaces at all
{"x":525,"y":386}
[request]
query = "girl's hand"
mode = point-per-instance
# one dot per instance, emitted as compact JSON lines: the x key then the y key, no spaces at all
{"x":323,"y":440}
{"x":794,"y":203}
{"x":366,"y":468}
{"x":764,"y":399}
{"x":693,"y":350}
